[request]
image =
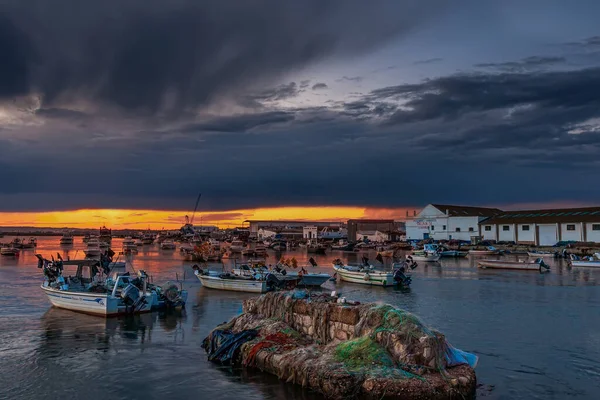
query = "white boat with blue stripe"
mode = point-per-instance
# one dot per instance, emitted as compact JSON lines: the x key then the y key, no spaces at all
{"x":89,"y":287}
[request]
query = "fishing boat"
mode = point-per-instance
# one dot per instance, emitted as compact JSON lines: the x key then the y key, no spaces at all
{"x":260,"y":250}
{"x":423,"y":256}
{"x":9,"y":251}
{"x":30,"y":244}
{"x":130,"y":248}
{"x":490,"y":250}
{"x":168,"y":245}
{"x":93,"y":248}
{"x":342,"y":245}
{"x":302,"y":278}
{"x":94,"y":289}
{"x":589,"y":261}
{"x":537,"y":254}
{"x":365,"y":275}
{"x":232,"y":282}
{"x":105,"y":235}
{"x":148,"y":238}
{"x":139,"y":243}
{"x":215,"y":243}
{"x":128,"y":240}
{"x":236,"y":246}
{"x":537,"y":265}
{"x":315,"y":247}
{"x":66,"y":239}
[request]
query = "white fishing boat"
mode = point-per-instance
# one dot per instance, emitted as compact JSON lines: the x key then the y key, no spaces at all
{"x":9,"y":251}
{"x":423,"y":256}
{"x":93,"y":248}
{"x":148,"y":238}
{"x":258,"y":269}
{"x":363,"y":275}
{"x":236,"y":246}
{"x":537,"y":254}
{"x":89,"y":289}
{"x":589,"y":262}
{"x":128,"y":240}
{"x":138,"y":242}
{"x":66,"y":239}
{"x":490,"y":250}
{"x":537,"y":265}
{"x":130,"y":248}
{"x":215,"y":243}
{"x":168,"y":245}
{"x":231,"y":282}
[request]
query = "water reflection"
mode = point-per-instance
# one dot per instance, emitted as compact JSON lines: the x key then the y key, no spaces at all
{"x":537,"y":334}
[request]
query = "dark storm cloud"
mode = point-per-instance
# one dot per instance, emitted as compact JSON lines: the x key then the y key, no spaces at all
{"x":280,"y":92}
{"x":427,"y":61}
{"x":590,"y":42}
{"x":319,"y":86}
{"x":355,"y":79}
{"x":533,"y":62}
{"x":240,"y":123}
{"x":152,"y":55}
{"x":454,"y":96}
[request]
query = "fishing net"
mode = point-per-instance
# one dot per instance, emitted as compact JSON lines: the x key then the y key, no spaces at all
{"x":361,"y":353}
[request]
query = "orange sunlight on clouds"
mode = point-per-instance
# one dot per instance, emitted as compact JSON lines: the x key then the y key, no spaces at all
{"x":154,"y":219}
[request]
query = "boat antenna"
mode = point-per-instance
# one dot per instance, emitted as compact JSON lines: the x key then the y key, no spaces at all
{"x":195,"y":208}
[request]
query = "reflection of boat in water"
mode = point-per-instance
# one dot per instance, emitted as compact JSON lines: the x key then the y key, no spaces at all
{"x":484,"y":252}
{"x":91,"y":290}
{"x":63,"y":329}
{"x":9,"y":251}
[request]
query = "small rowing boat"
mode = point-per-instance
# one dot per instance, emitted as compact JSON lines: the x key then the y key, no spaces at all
{"x":537,"y":265}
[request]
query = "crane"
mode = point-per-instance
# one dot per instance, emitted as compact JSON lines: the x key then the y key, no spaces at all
{"x":195,"y":208}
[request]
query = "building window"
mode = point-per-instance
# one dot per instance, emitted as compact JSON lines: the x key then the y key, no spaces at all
{"x":488,"y":228}
{"x":444,"y":227}
{"x":596,"y":227}
{"x":525,"y":227}
{"x":457,"y":229}
{"x":570,"y":227}
{"x":471,"y":230}
{"x":505,"y":227}
{"x":432,"y":228}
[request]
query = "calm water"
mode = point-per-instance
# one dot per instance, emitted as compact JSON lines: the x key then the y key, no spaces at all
{"x":538,"y":336}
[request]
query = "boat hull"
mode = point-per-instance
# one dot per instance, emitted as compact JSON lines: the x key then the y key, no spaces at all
{"x":482,"y":252}
{"x":363,"y":278}
{"x":314,"y":279}
{"x":431,"y":258}
{"x":591,"y":264}
{"x":509,"y":265}
{"x":536,"y":255}
{"x":235,"y":285}
{"x":92,"y":303}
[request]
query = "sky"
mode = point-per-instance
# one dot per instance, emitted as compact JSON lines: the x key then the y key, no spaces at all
{"x":347,"y":106}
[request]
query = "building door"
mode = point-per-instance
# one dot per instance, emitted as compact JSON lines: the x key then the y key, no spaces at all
{"x":426,"y":236}
{"x":547,"y":235}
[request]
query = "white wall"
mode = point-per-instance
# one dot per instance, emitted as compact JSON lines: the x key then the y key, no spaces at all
{"x":571,"y":235}
{"x":526,"y":236}
{"x":309,"y":232}
{"x":489,"y":235}
{"x":464,"y":223}
{"x":506,"y":236}
{"x":592,"y":235}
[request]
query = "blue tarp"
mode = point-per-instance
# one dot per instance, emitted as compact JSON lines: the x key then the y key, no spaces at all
{"x":455,"y":357}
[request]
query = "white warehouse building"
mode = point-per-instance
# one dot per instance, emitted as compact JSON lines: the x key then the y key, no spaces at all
{"x":447,"y":222}
{"x":544,"y":227}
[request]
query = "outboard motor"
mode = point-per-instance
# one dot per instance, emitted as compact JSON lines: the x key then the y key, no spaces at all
{"x":272,"y":282}
{"x":131,"y":294}
{"x":401,"y":278}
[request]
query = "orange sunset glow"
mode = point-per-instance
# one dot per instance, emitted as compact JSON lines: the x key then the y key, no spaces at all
{"x":159,"y":219}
